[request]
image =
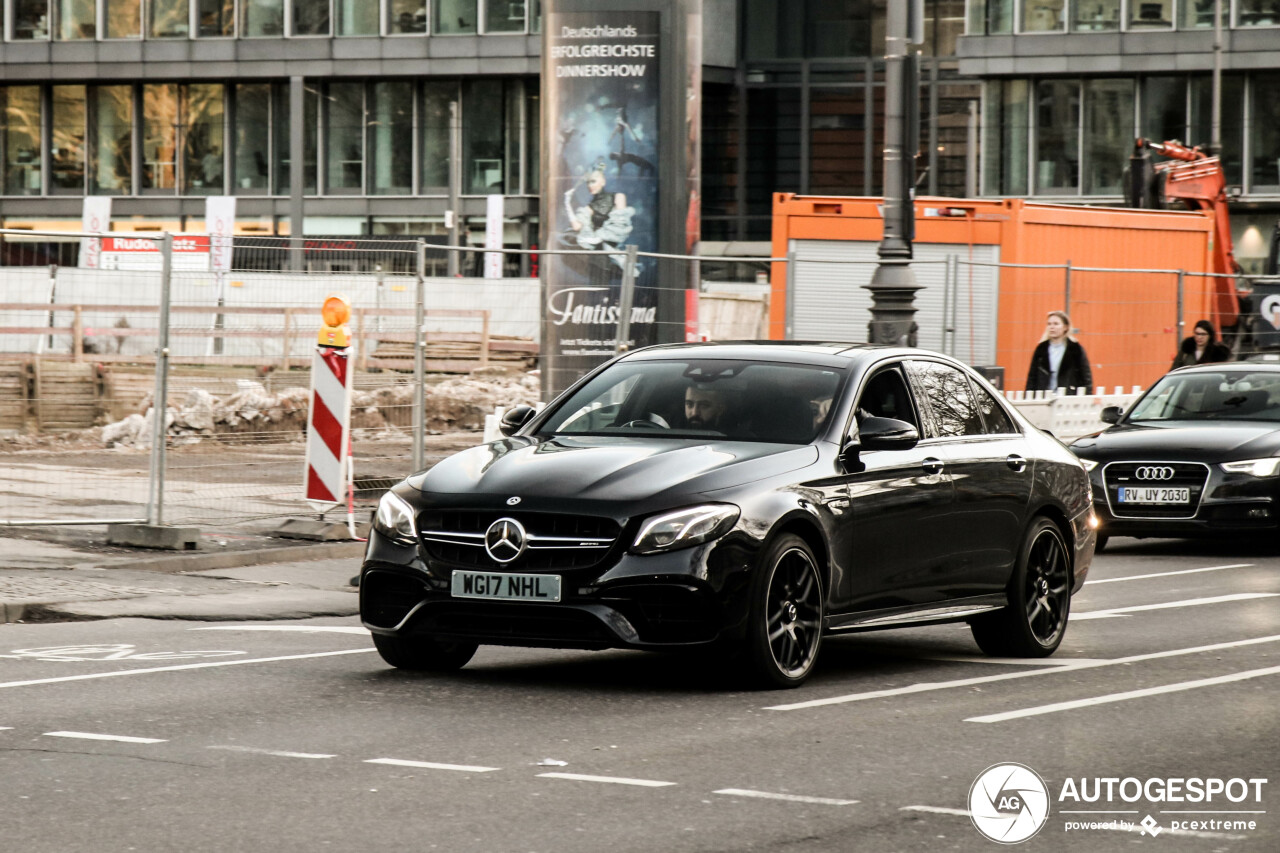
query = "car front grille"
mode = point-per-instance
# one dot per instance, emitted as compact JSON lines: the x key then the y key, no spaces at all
{"x":555,"y":542}
{"x":1188,"y":475}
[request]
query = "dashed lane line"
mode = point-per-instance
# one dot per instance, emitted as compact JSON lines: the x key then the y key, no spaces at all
{"x":1188,"y":602}
{"x":178,"y":668}
{"x":1092,"y":582}
{"x":91,"y":736}
{"x":1122,"y":697}
{"x":431,"y":765}
{"x":924,"y":687}
{"x":277,"y":752}
{"x":301,"y":629}
{"x":790,"y":798}
{"x":614,"y":780}
{"x":1104,"y":826}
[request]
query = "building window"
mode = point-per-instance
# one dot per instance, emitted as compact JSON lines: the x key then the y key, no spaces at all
{"x":159,"y":136}
{"x":406,"y":17}
{"x":21,"y":139}
{"x":202,"y":140}
{"x":1256,"y":13}
{"x":77,"y":19}
{"x":252,"y":123}
{"x":1199,"y":13}
{"x":533,"y":140}
{"x":1091,"y":16}
{"x":111,"y":120}
{"x":1264,"y":132}
{"x":1042,"y":16}
{"x":357,"y":18}
{"x":1057,"y":137}
{"x":1164,"y":108}
{"x":437,"y":95}
{"x":504,"y":16}
{"x":990,"y":17}
{"x":1108,"y":134}
{"x":1232,"y":121}
{"x":262,"y":18}
{"x":122,"y":19}
{"x":30,"y":20}
{"x":168,"y":19}
{"x":1006,"y":137}
{"x":344,"y":138}
{"x":483,"y":140}
{"x":67,"y":134}
{"x":390,"y":125}
{"x":217,"y":18}
{"x":282,"y":122}
{"x":311,"y":17}
{"x":454,"y":17}
{"x":1146,"y":14}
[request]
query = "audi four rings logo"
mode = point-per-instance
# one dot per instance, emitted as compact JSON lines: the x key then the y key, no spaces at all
{"x":505,"y":540}
{"x":1154,"y":472}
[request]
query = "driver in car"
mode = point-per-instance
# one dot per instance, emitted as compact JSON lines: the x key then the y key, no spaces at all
{"x":705,"y":407}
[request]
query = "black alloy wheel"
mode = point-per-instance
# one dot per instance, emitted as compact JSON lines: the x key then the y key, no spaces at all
{"x":423,"y":654}
{"x":787,"y":608}
{"x":1035,"y":621}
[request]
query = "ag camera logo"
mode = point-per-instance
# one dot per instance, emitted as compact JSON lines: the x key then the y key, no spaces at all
{"x":1009,"y":803}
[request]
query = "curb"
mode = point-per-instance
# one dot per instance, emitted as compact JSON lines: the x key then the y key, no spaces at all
{"x":237,"y":559}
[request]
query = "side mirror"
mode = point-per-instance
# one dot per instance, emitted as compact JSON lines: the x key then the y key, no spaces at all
{"x":887,"y":434}
{"x":1111,"y":415}
{"x":514,"y":418}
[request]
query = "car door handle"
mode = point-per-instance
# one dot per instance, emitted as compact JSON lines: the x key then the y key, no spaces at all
{"x":1016,"y":463}
{"x":932,"y":465}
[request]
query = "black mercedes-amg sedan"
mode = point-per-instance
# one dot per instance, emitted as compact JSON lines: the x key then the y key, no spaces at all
{"x":749,"y":499}
{"x":1197,"y":455}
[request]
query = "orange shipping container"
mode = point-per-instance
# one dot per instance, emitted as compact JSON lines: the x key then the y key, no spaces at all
{"x":982,"y":297}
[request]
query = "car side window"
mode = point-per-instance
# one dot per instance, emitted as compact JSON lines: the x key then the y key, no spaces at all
{"x":949,"y":396}
{"x":886,"y":395}
{"x":993,"y":414}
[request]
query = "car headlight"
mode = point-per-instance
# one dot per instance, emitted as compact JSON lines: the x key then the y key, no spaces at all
{"x":1257,"y":467}
{"x":1087,"y":464}
{"x":684,"y":527}
{"x":394,"y":519}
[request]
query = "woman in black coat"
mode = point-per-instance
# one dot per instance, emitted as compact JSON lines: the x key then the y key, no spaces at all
{"x":1059,"y":361}
{"x":1203,"y":347}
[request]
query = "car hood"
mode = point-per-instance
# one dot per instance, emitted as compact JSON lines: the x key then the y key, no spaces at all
{"x":608,"y":468}
{"x":1220,"y":441}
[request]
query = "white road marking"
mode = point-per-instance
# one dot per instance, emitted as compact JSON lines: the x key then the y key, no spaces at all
{"x":178,"y":668}
{"x":1189,"y":602}
{"x":280,"y":753}
{"x":1121,"y":697}
{"x":1187,"y":833}
{"x":6,"y":728}
{"x":615,"y":780}
{"x":431,"y":765}
{"x":304,"y":629}
{"x":1009,"y":676}
{"x":1050,"y":662}
{"x":89,"y":736}
{"x":1170,"y":574}
{"x":791,"y":798}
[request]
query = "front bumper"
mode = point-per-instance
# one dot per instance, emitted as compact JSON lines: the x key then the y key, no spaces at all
{"x":1229,"y":504}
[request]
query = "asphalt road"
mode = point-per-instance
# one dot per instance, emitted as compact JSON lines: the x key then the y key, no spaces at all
{"x":150,"y":735}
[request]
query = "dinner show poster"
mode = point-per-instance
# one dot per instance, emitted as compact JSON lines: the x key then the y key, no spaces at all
{"x":601,"y":92}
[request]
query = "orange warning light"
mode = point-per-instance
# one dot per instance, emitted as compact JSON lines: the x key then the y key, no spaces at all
{"x":336,"y":311}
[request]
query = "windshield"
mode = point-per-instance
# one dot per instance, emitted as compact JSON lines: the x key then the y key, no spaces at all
{"x":1221,"y":395}
{"x":737,"y":400}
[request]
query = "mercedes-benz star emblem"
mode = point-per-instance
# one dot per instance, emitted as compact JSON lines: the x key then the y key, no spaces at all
{"x":1154,"y":472}
{"x":505,"y":540}
{"x":512,"y":501}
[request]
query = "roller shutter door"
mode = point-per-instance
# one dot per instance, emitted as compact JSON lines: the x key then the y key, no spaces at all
{"x":830,"y":302}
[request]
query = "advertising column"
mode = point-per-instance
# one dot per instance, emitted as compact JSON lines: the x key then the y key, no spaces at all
{"x":615,"y":91}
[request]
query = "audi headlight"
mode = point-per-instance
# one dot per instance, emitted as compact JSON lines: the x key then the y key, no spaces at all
{"x":684,"y":527}
{"x":1087,"y":464}
{"x":394,"y":519}
{"x":1257,"y":467}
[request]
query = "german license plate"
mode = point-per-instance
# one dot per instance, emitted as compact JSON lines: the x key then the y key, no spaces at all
{"x":508,"y":587}
{"x":1149,"y":495}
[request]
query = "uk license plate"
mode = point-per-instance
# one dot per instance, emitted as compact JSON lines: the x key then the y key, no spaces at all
{"x":1150,"y":495}
{"x":504,"y":586}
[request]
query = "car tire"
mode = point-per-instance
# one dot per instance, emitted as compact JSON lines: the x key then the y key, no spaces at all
{"x":1035,"y":620}
{"x":788,"y":605}
{"x":1103,"y":539}
{"x":423,"y":654}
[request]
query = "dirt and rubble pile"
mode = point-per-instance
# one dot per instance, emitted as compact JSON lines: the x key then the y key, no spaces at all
{"x":256,"y":413}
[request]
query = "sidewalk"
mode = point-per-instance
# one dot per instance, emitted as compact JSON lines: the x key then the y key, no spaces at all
{"x":248,"y":578}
